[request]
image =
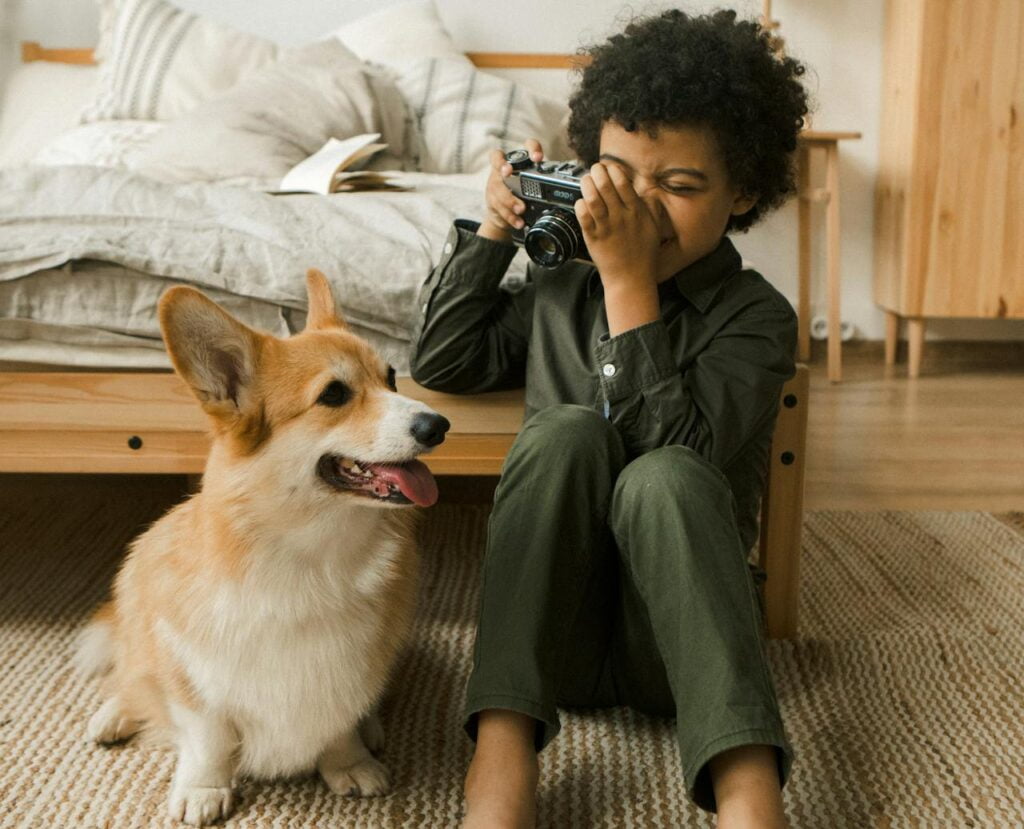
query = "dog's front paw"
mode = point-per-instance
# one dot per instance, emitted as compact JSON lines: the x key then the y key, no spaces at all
{"x":200,"y":805}
{"x":110,"y":725}
{"x":367,"y":778}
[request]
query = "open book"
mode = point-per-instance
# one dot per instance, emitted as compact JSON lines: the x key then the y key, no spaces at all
{"x":334,"y":168}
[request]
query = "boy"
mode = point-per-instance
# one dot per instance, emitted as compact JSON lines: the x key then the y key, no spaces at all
{"x":616,"y":565}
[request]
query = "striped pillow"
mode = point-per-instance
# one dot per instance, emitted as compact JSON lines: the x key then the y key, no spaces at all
{"x":158,"y":62}
{"x":461,"y":114}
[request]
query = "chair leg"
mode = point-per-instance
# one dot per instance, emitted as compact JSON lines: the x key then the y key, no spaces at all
{"x":915,"y":329}
{"x":782,"y":510}
{"x":781,"y":561}
{"x":892,"y":337}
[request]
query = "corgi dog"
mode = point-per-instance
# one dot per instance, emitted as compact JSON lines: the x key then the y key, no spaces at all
{"x":258,"y":621}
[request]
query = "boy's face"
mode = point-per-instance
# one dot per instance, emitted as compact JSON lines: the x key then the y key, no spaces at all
{"x":682,"y":179}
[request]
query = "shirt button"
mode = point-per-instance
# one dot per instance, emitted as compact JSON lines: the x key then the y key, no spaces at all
{"x":608,"y":369}
{"x":447,"y":248}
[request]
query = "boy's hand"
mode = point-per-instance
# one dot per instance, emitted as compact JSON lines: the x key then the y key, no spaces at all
{"x":618,"y":226}
{"x":503,"y":208}
{"x":623,"y":239}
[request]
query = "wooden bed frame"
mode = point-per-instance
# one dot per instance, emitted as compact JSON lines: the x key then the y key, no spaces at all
{"x":74,"y":421}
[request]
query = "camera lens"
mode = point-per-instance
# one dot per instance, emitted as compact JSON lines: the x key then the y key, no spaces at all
{"x":553,"y":239}
{"x":547,"y":246}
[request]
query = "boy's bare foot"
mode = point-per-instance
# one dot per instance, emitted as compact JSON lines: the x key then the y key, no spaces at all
{"x":501,"y":784}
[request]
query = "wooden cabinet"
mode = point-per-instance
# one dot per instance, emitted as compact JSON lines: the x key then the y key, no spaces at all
{"x":949,"y":202}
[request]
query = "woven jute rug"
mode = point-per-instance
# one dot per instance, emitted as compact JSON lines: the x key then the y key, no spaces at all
{"x":902,"y":695}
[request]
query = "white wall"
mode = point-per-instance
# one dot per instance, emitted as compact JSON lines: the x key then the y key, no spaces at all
{"x":840,"y":40}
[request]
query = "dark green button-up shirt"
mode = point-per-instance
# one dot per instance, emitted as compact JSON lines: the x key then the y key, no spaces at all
{"x":707,"y":375}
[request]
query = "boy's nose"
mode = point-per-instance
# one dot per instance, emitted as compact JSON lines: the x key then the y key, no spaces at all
{"x":643,"y":186}
{"x":652,"y":198}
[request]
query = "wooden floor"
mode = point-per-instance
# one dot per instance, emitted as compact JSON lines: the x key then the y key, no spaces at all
{"x":953,"y":439}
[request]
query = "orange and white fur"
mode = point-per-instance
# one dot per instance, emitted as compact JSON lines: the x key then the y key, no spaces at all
{"x":259,"y":620}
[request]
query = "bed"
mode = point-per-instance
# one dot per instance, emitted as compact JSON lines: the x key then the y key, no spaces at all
{"x":91,"y":235}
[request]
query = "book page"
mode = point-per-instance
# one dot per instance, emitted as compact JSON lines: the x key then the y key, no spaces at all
{"x":359,"y":180}
{"x":316,"y":173}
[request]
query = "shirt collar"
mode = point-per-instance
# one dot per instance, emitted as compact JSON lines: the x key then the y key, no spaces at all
{"x":700,"y":281}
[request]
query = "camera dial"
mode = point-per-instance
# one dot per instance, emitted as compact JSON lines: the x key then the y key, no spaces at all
{"x":519,"y":159}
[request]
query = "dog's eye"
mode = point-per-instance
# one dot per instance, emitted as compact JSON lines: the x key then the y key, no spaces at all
{"x":336,"y":394}
{"x":391,"y":379}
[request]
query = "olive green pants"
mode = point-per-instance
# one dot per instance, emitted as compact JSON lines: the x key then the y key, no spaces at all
{"x":610,"y":581}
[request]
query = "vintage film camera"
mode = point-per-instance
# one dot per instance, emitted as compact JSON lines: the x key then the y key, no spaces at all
{"x":551,"y":234}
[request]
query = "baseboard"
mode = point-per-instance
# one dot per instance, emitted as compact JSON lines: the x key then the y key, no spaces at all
{"x":958,"y":355}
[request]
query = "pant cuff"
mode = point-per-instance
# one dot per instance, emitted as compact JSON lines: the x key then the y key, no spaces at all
{"x":698,"y":775}
{"x":548,"y":724}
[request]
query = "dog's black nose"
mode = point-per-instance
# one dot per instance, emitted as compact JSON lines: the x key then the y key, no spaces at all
{"x":429,"y":429}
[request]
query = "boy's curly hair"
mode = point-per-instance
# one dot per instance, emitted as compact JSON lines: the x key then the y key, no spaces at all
{"x":712,"y":70}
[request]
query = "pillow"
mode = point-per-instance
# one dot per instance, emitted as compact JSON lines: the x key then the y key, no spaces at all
{"x":41,"y":100}
{"x":158,"y":61}
{"x":101,"y":144}
{"x":278,"y":116}
{"x":461,"y":114}
{"x":400,"y":34}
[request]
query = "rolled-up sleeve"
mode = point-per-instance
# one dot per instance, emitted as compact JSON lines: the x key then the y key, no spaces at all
{"x":470,"y":334}
{"x":728,"y":394}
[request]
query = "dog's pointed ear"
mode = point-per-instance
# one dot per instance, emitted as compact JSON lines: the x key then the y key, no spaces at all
{"x":322,"y":311}
{"x":212,"y":351}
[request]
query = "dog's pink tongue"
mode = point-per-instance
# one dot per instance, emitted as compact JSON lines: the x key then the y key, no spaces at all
{"x":412,"y":477}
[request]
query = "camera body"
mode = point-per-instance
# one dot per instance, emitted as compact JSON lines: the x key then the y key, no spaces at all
{"x":551,"y":233}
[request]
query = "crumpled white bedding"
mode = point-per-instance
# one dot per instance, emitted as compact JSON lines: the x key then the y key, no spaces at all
{"x":101,"y":144}
{"x":247,"y":248}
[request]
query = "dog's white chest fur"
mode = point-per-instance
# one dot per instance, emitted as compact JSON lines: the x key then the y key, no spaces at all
{"x":289,"y":655}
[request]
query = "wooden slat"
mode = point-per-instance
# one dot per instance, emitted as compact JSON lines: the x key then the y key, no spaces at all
{"x":98,"y":401}
{"x":55,"y":421}
{"x":94,"y":450}
{"x":493,"y":413}
{"x":827,"y":136}
{"x":782,"y":510}
{"x":537,"y":60}
{"x":463,"y":454}
{"x":179,"y":452}
{"x":32,"y":51}
{"x":804,"y":217}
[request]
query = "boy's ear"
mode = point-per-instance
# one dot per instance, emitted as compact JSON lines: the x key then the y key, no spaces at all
{"x":212,"y":351}
{"x":322,"y":311}
{"x":742,"y":203}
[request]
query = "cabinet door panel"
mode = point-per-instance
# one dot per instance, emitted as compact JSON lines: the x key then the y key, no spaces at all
{"x":969,"y":155}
